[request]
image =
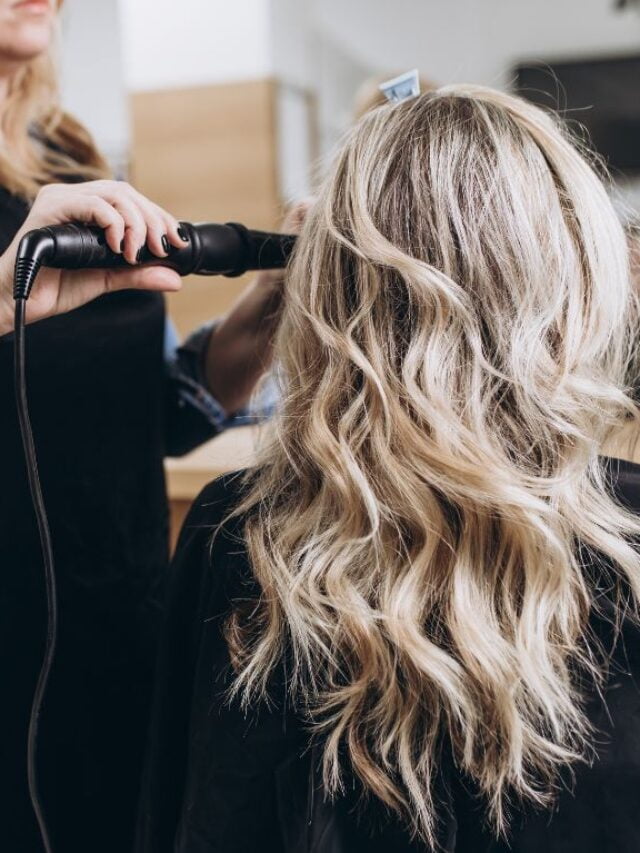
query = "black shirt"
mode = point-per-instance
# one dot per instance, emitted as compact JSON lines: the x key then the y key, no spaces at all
{"x":219,"y":780}
{"x":104,"y":412}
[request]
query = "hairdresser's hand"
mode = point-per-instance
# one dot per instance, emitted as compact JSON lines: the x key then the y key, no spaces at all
{"x":130,"y":220}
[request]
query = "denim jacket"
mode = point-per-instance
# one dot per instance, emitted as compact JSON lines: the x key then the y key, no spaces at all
{"x":193,"y":413}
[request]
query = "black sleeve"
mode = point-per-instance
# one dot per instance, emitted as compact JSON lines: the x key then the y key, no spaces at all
{"x":186,"y":426}
{"x":191,"y":415}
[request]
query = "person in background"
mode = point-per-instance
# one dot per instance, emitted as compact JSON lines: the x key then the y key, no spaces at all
{"x":107,"y":404}
{"x":413,"y":624}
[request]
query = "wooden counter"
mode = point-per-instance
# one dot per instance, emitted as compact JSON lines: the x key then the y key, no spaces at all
{"x":186,"y":476}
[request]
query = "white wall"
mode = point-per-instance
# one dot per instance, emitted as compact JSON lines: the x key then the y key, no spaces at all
{"x":174,"y":43}
{"x":448,"y":40}
{"x":92,"y":80}
{"x":294,"y":44}
{"x":473,"y":40}
{"x":112,"y":47}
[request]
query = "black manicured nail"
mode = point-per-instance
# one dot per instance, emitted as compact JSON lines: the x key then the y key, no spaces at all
{"x":165,"y":243}
{"x":140,"y":254}
{"x":183,"y":234}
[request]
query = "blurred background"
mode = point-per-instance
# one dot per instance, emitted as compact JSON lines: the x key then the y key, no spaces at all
{"x":224,"y":110}
{"x":221,"y":110}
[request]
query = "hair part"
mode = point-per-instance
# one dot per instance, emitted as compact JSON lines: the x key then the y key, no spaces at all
{"x":456,"y":332}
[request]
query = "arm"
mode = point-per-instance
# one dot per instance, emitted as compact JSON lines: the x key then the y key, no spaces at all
{"x":192,"y":414}
{"x":240,"y":349}
{"x":214,"y":373}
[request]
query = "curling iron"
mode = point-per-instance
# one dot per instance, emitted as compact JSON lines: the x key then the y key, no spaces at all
{"x":209,"y":249}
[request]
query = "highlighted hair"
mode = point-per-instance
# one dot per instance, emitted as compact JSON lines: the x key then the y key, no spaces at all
{"x":456,"y":332}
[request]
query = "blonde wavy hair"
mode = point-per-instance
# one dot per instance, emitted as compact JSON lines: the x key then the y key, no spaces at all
{"x":431,"y":525}
{"x":41,"y":143}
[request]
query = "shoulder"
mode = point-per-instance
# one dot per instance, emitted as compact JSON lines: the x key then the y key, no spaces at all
{"x":211,"y":541}
{"x":214,"y":503}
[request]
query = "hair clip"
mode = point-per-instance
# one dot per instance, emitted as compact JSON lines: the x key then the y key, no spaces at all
{"x":401,"y":88}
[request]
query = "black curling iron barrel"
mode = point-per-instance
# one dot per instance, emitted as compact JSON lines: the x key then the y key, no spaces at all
{"x":209,"y":249}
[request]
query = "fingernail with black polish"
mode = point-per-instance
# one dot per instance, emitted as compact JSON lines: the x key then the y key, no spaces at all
{"x":183,"y":234}
{"x":165,"y":243}
{"x":140,"y":254}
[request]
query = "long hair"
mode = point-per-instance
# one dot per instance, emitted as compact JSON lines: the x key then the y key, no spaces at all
{"x":432,"y":526}
{"x":41,"y":143}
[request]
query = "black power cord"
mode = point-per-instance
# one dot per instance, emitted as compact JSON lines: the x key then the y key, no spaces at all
{"x":24,"y":277}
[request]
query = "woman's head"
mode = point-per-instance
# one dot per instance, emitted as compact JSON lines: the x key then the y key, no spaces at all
{"x":467,"y":218}
{"x":40,"y":143}
{"x":454,"y":347}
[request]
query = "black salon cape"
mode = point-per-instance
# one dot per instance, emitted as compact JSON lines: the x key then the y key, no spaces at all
{"x":103,"y":415}
{"x":220,"y":781}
